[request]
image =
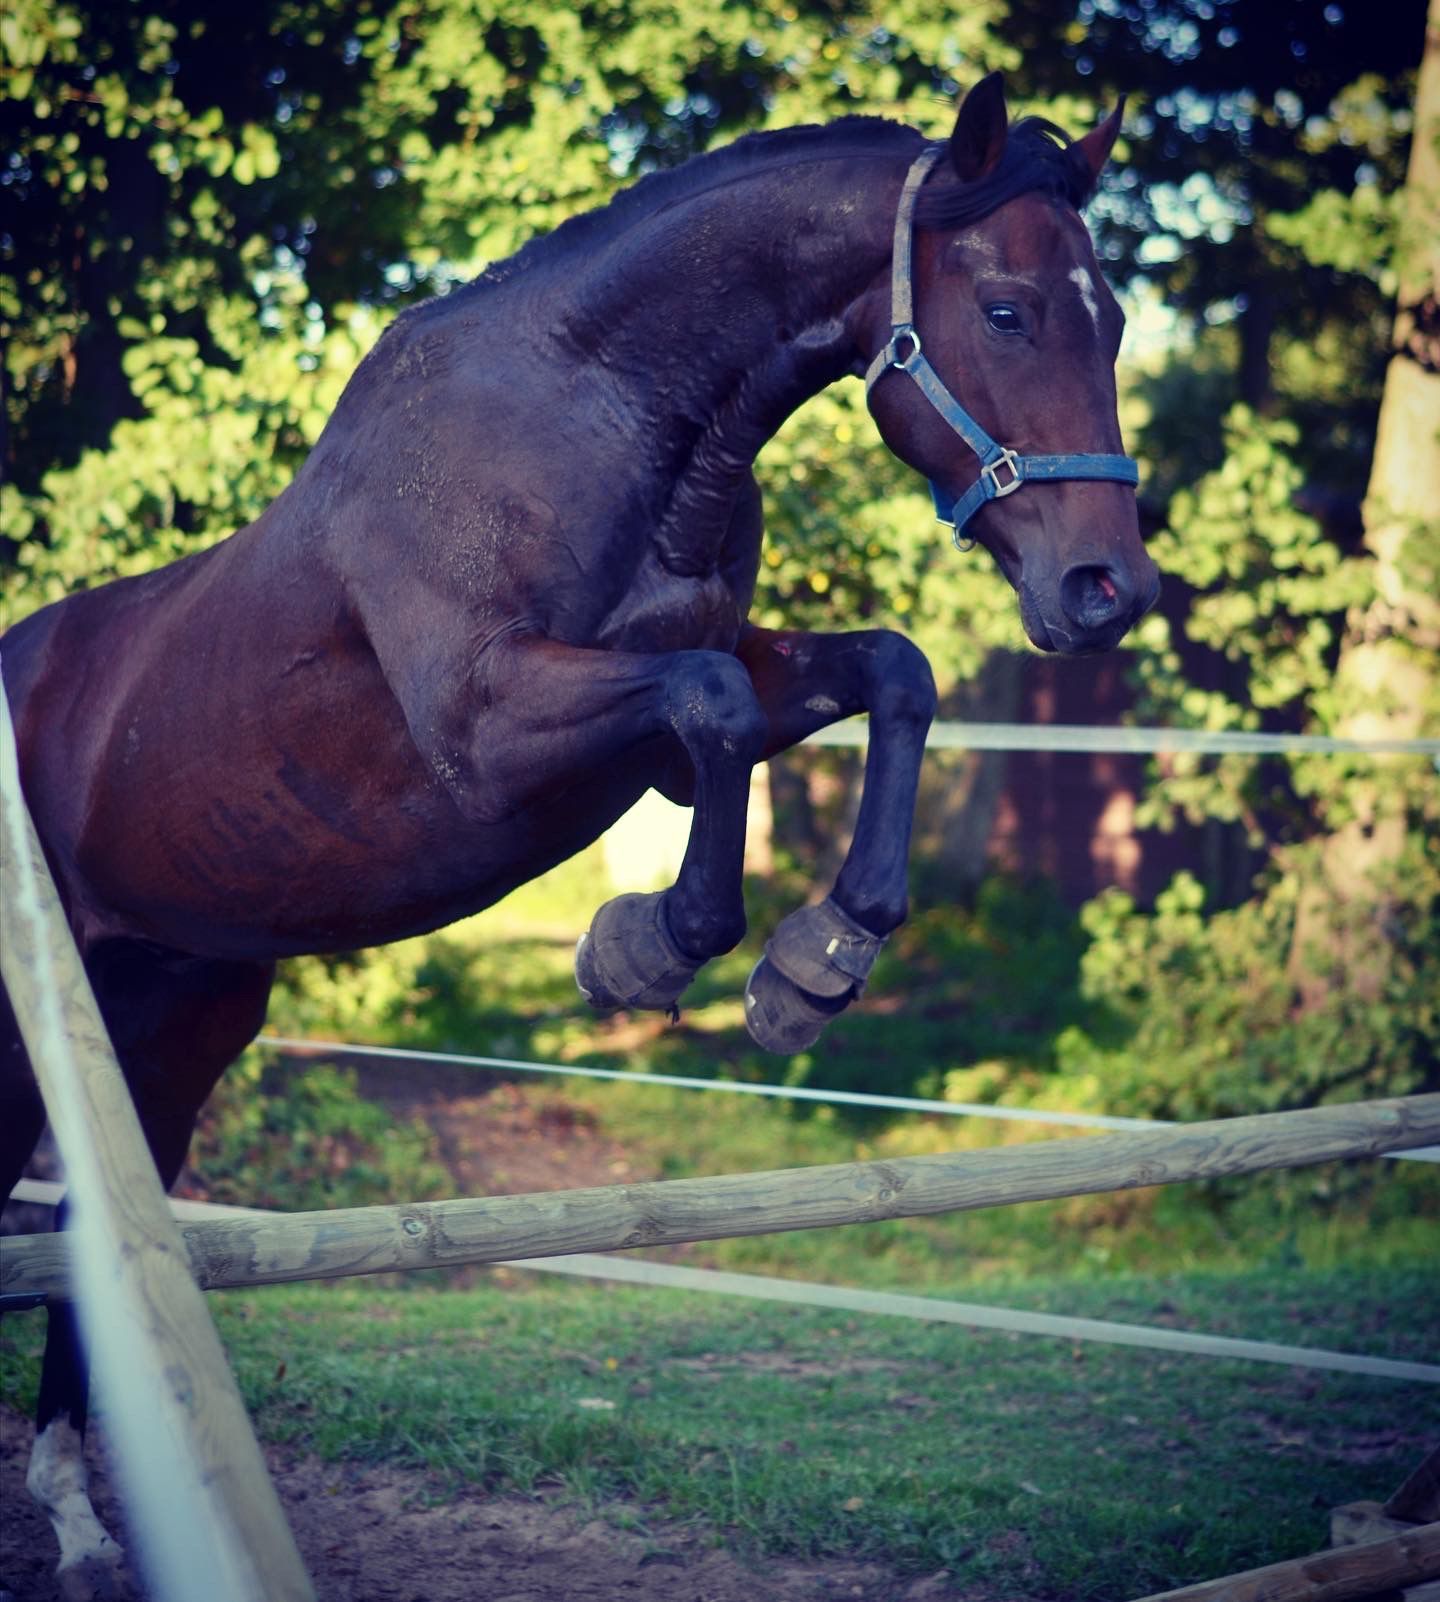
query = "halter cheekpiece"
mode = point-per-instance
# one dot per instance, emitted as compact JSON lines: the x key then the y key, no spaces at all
{"x":1002,"y":471}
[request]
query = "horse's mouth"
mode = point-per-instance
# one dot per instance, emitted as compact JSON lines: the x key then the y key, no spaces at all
{"x":1064,"y":637}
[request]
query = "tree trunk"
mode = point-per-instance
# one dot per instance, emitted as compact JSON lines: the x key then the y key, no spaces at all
{"x":1386,"y":683}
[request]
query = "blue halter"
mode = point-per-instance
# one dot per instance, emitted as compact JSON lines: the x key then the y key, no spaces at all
{"x":1002,"y":471}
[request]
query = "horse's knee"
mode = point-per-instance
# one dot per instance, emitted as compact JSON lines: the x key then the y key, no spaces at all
{"x":902,"y":685}
{"x":713,"y":708}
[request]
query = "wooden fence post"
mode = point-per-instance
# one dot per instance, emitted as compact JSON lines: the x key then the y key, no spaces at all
{"x":204,"y":1513}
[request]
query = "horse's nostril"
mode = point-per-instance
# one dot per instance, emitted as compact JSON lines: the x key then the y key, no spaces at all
{"x":1092,"y":595}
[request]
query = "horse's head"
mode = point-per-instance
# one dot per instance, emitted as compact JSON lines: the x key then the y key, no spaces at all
{"x":997,"y":379}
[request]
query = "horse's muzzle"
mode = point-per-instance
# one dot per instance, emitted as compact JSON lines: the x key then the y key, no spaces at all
{"x":1098,"y":604}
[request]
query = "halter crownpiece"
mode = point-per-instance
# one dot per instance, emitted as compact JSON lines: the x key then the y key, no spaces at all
{"x":1002,"y":471}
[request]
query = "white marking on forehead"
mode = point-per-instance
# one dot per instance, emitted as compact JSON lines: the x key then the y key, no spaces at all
{"x":1080,"y":277}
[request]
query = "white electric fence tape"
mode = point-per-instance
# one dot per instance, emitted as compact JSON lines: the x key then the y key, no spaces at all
{"x":744,"y":1087}
{"x":1085,"y":738}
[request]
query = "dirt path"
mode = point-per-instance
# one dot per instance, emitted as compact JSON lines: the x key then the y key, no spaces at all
{"x":380,"y":1535}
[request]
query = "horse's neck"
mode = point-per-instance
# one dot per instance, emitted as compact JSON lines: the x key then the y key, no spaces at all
{"x":734,"y":308}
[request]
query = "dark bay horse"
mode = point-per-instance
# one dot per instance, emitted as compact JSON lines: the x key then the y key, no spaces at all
{"x":508,"y":591}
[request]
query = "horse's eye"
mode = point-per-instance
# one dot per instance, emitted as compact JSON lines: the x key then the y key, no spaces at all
{"x":1004,"y":319}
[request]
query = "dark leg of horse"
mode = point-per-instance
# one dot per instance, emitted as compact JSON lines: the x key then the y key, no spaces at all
{"x":22,"y":1117}
{"x":22,"y":1113}
{"x":176,"y":1024}
{"x":571,"y":710}
{"x":818,"y":959}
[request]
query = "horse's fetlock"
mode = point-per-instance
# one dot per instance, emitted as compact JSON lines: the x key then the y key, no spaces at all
{"x":703,"y":931}
{"x":881,"y":915}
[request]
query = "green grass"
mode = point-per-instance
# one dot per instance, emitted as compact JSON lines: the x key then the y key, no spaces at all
{"x":1082,"y":1472}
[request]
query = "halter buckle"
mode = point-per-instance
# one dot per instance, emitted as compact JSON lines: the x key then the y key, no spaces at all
{"x":991,"y":473}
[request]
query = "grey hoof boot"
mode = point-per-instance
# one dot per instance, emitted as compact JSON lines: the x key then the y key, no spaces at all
{"x":780,"y":1016}
{"x":629,"y":959}
{"x":815,"y":964}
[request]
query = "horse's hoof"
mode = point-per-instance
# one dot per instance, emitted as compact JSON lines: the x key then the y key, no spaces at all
{"x":629,"y":959}
{"x":815,"y":964}
{"x":780,"y":1015}
{"x":96,"y":1577}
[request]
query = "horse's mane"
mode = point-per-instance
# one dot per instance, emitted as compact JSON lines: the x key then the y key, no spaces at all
{"x":1037,"y":156}
{"x":750,"y":153}
{"x":670,"y":186}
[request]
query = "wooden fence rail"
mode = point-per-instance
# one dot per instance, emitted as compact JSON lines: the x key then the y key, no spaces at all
{"x":274,"y":1248}
{"x":1368,"y":1572}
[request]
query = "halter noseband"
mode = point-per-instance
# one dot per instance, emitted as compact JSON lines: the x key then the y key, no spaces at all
{"x":1002,"y":471}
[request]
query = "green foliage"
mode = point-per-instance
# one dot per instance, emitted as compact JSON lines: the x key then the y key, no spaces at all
{"x":1267,"y":584}
{"x":1203,"y":1015}
{"x":1355,"y":233}
{"x":294,"y":1142}
{"x":852,"y":539}
{"x":1270,"y":596}
{"x":1359,"y":230}
{"x":360,"y":995}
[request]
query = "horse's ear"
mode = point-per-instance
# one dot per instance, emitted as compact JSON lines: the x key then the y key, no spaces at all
{"x":1096,"y":145}
{"x":979,"y":135}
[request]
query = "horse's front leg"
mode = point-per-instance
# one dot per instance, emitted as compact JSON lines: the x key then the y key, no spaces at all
{"x":819,"y":958}
{"x":642,"y":950}
{"x":562,"y":728}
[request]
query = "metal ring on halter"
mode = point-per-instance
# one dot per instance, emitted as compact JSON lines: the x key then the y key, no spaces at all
{"x":892,"y":351}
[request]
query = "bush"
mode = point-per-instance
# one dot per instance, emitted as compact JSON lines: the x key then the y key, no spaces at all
{"x":1205,"y":1017}
{"x":301,"y":1139}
